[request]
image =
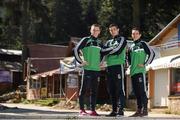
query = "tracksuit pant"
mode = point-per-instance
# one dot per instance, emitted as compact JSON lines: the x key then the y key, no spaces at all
{"x":140,"y":90}
{"x":116,"y":86}
{"x":89,"y":81}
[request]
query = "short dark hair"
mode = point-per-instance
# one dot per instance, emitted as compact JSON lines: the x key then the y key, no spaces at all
{"x":96,"y":25}
{"x":137,"y":28}
{"x":113,"y":25}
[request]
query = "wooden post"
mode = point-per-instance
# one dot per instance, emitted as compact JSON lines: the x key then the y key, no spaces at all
{"x":40,"y":86}
{"x":28,"y":76}
{"x":53,"y":86}
{"x":151,"y":78}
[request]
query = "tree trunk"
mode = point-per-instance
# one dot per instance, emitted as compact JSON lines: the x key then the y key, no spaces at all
{"x":24,"y":34}
{"x":136,"y":12}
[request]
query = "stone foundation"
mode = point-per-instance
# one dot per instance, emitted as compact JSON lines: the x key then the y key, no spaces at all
{"x":174,"y":104}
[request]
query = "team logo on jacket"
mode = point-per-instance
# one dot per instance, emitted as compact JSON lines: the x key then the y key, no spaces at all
{"x":119,"y":76}
{"x":140,"y":79}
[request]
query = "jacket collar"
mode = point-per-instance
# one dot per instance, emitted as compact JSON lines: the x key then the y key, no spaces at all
{"x":137,"y":41}
{"x":116,"y":36}
{"x":92,"y":37}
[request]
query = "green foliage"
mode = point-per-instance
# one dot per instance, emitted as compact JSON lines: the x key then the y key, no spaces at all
{"x":67,"y":20}
{"x":156,"y":15}
{"x":89,"y":14}
{"x":118,"y":12}
{"x":55,"y":21}
{"x":43,"y":102}
{"x":104,"y":17}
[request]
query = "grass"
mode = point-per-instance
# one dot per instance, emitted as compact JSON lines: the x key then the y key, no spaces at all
{"x":43,"y":102}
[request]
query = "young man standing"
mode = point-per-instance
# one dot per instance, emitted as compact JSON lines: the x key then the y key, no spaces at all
{"x":115,"y":70}
{"x":139,"y":55}
{"x":90,"y":48}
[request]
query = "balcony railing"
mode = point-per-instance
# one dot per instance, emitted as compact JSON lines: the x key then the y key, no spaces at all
{"x":169,"y":45}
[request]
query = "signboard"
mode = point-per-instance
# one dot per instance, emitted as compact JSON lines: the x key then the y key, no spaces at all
{"x":5,"y":76}
{"x":72,"y":81}
{"x":44,"y":92}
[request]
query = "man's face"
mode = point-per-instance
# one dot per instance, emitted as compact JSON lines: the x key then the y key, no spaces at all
{"x":114,"y":31}
{"x":95,"y":31}
{"x":135,"y":35}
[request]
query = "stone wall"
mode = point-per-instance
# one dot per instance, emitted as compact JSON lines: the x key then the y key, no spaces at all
{"x":174,"y":104}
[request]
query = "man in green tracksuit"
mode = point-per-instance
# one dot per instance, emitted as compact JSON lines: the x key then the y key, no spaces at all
{"x":90,"y":48}
{"x":139,"y":55}
{"x":115,"y":70}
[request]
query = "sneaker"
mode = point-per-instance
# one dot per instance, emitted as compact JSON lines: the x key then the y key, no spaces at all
{"x":120,"y":113}
{"x":137,"y":114}
{"x":2,"y":107}
{"x":144,"y":113}
{"x":93,"y":113}
{"x":112,"y":114}
{"x":83,"y":113}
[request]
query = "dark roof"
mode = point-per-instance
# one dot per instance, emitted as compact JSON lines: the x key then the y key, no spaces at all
{"x":10,"y":55}
{"x":45,"y":57}
{"x":46,"y":50}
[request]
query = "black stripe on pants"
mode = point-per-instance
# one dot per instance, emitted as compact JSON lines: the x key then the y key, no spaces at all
{"x":89,"y":81}
{"x":140,"y":90}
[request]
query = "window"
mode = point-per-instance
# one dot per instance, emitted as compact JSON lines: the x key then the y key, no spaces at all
{"x":5,"y":76}
{"x":34,"y":84}
{"x":72,"y":81}
{"x":175,"y":82}
{"x":44,"y":82}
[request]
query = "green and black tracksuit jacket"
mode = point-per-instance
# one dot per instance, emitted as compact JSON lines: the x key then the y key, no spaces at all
{"x":90,"y":48}
{"x":115,"y":69}
{"x":140,"y":53}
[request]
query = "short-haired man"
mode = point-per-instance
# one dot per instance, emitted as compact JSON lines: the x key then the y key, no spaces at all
{"x":115,"y":60}
{"x":90,"y":48}
{"x":139,"y":55}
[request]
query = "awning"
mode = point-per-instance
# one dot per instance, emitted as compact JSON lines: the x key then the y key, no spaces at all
{"x":66,"y":66}
{"x":69,"y":64}
{"x":172,"y":61}
{"x":44,"y":74}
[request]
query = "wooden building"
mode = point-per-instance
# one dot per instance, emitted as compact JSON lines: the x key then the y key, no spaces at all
{"x":165,"y":71}
{"x":41,"y":70}
{"x":46,"y":78}
{"x":10,"y":69}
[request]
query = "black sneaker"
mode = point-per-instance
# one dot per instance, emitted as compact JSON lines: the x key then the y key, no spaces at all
{"x":144,"y":113}
{"x":120,"y":113}
{"x":137,"y":113}
{"x":112,"y":114}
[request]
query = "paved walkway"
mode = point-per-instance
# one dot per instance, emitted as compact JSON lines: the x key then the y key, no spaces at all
{"x":24,"y":111}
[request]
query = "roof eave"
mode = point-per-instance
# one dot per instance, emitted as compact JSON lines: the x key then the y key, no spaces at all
{"x":164,"y":30}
